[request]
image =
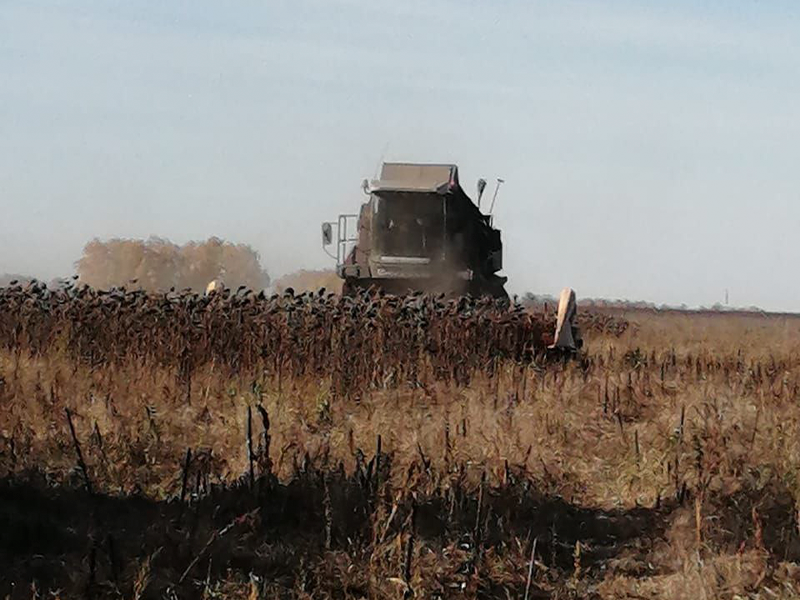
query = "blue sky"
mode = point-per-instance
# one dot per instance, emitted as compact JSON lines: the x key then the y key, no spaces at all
{"x":650,"y":150}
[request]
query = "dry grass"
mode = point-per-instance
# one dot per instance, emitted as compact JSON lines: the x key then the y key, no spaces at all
{"x":662,"y":465}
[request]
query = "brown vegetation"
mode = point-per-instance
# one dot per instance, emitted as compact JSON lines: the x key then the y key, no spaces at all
{"x":7,"y":279}
{"x":158,"y":265}
{"x":663,"y":464}
{"x":309,"y":281}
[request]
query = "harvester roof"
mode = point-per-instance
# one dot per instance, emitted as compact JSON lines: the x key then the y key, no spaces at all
{"x":417,"y":177}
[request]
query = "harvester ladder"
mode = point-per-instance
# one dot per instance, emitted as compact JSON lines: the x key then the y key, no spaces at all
{"x":346,"y":237}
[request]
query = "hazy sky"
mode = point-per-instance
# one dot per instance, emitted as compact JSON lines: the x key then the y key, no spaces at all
{"x":651,"y":150}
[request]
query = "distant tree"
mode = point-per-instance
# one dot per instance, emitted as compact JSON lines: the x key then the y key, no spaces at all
{"x":157,"y":264}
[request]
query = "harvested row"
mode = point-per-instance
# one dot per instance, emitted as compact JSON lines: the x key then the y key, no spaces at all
{"x":612,"y":474}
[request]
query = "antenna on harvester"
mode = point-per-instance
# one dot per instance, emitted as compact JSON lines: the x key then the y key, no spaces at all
{"x":481,"y":187}
{"x":496,"y":188}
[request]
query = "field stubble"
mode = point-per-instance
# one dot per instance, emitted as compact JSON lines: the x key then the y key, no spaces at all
{"x":174,"y":446}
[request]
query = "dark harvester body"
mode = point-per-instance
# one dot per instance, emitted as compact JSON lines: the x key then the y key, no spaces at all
{"x":419,"y":232}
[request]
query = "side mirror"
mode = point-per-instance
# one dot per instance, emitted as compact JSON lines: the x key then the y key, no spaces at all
{"x":327,"y":234}
{"x":481,"y":187}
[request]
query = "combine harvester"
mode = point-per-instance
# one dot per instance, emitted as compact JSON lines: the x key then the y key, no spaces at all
{"x":420,"y":232}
